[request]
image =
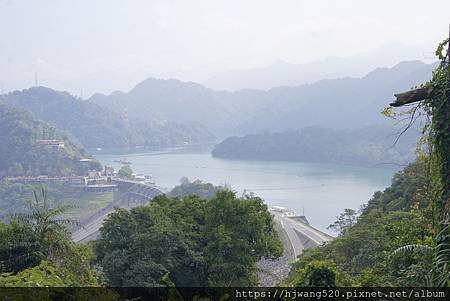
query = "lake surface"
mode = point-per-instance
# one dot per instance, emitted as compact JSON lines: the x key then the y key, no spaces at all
{"x":319,"y":190}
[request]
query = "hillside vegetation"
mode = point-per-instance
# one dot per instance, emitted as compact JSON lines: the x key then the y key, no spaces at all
{"x":94,"y":126}
{"x":188,"y":241}
{"x":36,"y":250}
{"x":402,"y":236}
{"x":21,"y":154}
{"x":365,"y":146}
{"x":363,"y":253}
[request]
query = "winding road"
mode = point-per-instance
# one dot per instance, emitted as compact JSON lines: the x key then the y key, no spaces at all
{"x":133,"y":194}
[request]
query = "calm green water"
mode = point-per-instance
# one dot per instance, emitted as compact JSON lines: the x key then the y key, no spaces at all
{"x":321,"y":191}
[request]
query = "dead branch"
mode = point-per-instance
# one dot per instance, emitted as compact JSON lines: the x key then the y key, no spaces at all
{"x":411,"y":96}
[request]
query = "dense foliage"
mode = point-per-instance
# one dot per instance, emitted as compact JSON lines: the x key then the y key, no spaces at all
{"x":199,"y":242}
{"x":363,"y":253}
{"x":14,"y":197}
{"x":95,"y":126}
{"x":22,"y":155}
{"x":43,"y":274}
{"x":36,"y":249}
{"x":437,"y":107}
{"x":368,"y":145}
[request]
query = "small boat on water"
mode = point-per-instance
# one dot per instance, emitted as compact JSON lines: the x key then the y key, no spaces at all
{"x":123,"y":161}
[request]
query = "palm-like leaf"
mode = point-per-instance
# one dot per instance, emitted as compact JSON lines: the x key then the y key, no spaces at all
{"x":42,"y":216}
{"x":439,"y":274}
{"x":441,"y":271}
{"x":426,"y":251}
{"x":50,"y":230}
{"x":414,"y":248}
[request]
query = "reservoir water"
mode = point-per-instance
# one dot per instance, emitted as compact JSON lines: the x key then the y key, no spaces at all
{"x":320,"y":191}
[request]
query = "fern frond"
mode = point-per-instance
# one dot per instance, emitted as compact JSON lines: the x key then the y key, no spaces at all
{"x":414,"y":248}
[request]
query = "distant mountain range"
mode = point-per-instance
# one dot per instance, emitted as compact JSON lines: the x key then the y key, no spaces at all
{"x":185,"y":102}
{"x":96,"y":126}
{"x":346,"y":103}
{"x":163,"y":113}
{"x":281,"y":73}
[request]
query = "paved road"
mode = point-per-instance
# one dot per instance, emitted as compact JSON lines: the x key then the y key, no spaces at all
{"x":90,"y":230}
{"x":302,"y":236}
{"x":91,"y":226}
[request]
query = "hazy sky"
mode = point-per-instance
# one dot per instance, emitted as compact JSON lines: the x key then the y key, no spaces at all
{"x":105,"y":45}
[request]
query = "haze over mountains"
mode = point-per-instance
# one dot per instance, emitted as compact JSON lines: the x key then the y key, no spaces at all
{"x":345,"y":103}
{"x":162,"y":113}
{"x":282,"y":73}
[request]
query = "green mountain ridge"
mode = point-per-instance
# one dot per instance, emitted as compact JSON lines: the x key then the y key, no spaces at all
{"x":95,"y":126}
{"x":278,"y":109}
{"x":364,"y":146}
{"x":22,"y":154}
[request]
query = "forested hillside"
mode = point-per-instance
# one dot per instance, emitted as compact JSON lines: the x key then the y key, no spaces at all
{"x":346,"y":103}
{"x":174,"y":100}
{"x":21,"y":154}
{"x":94,"y":126}
{"x":365,"y":146}
{"x":402,"y":236}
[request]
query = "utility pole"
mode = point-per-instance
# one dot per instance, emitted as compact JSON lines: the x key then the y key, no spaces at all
{"x":35,"y":79}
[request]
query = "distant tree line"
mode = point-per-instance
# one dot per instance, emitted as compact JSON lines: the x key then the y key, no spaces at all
{"x":197,"y":187}
{"x":365,"y":146}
